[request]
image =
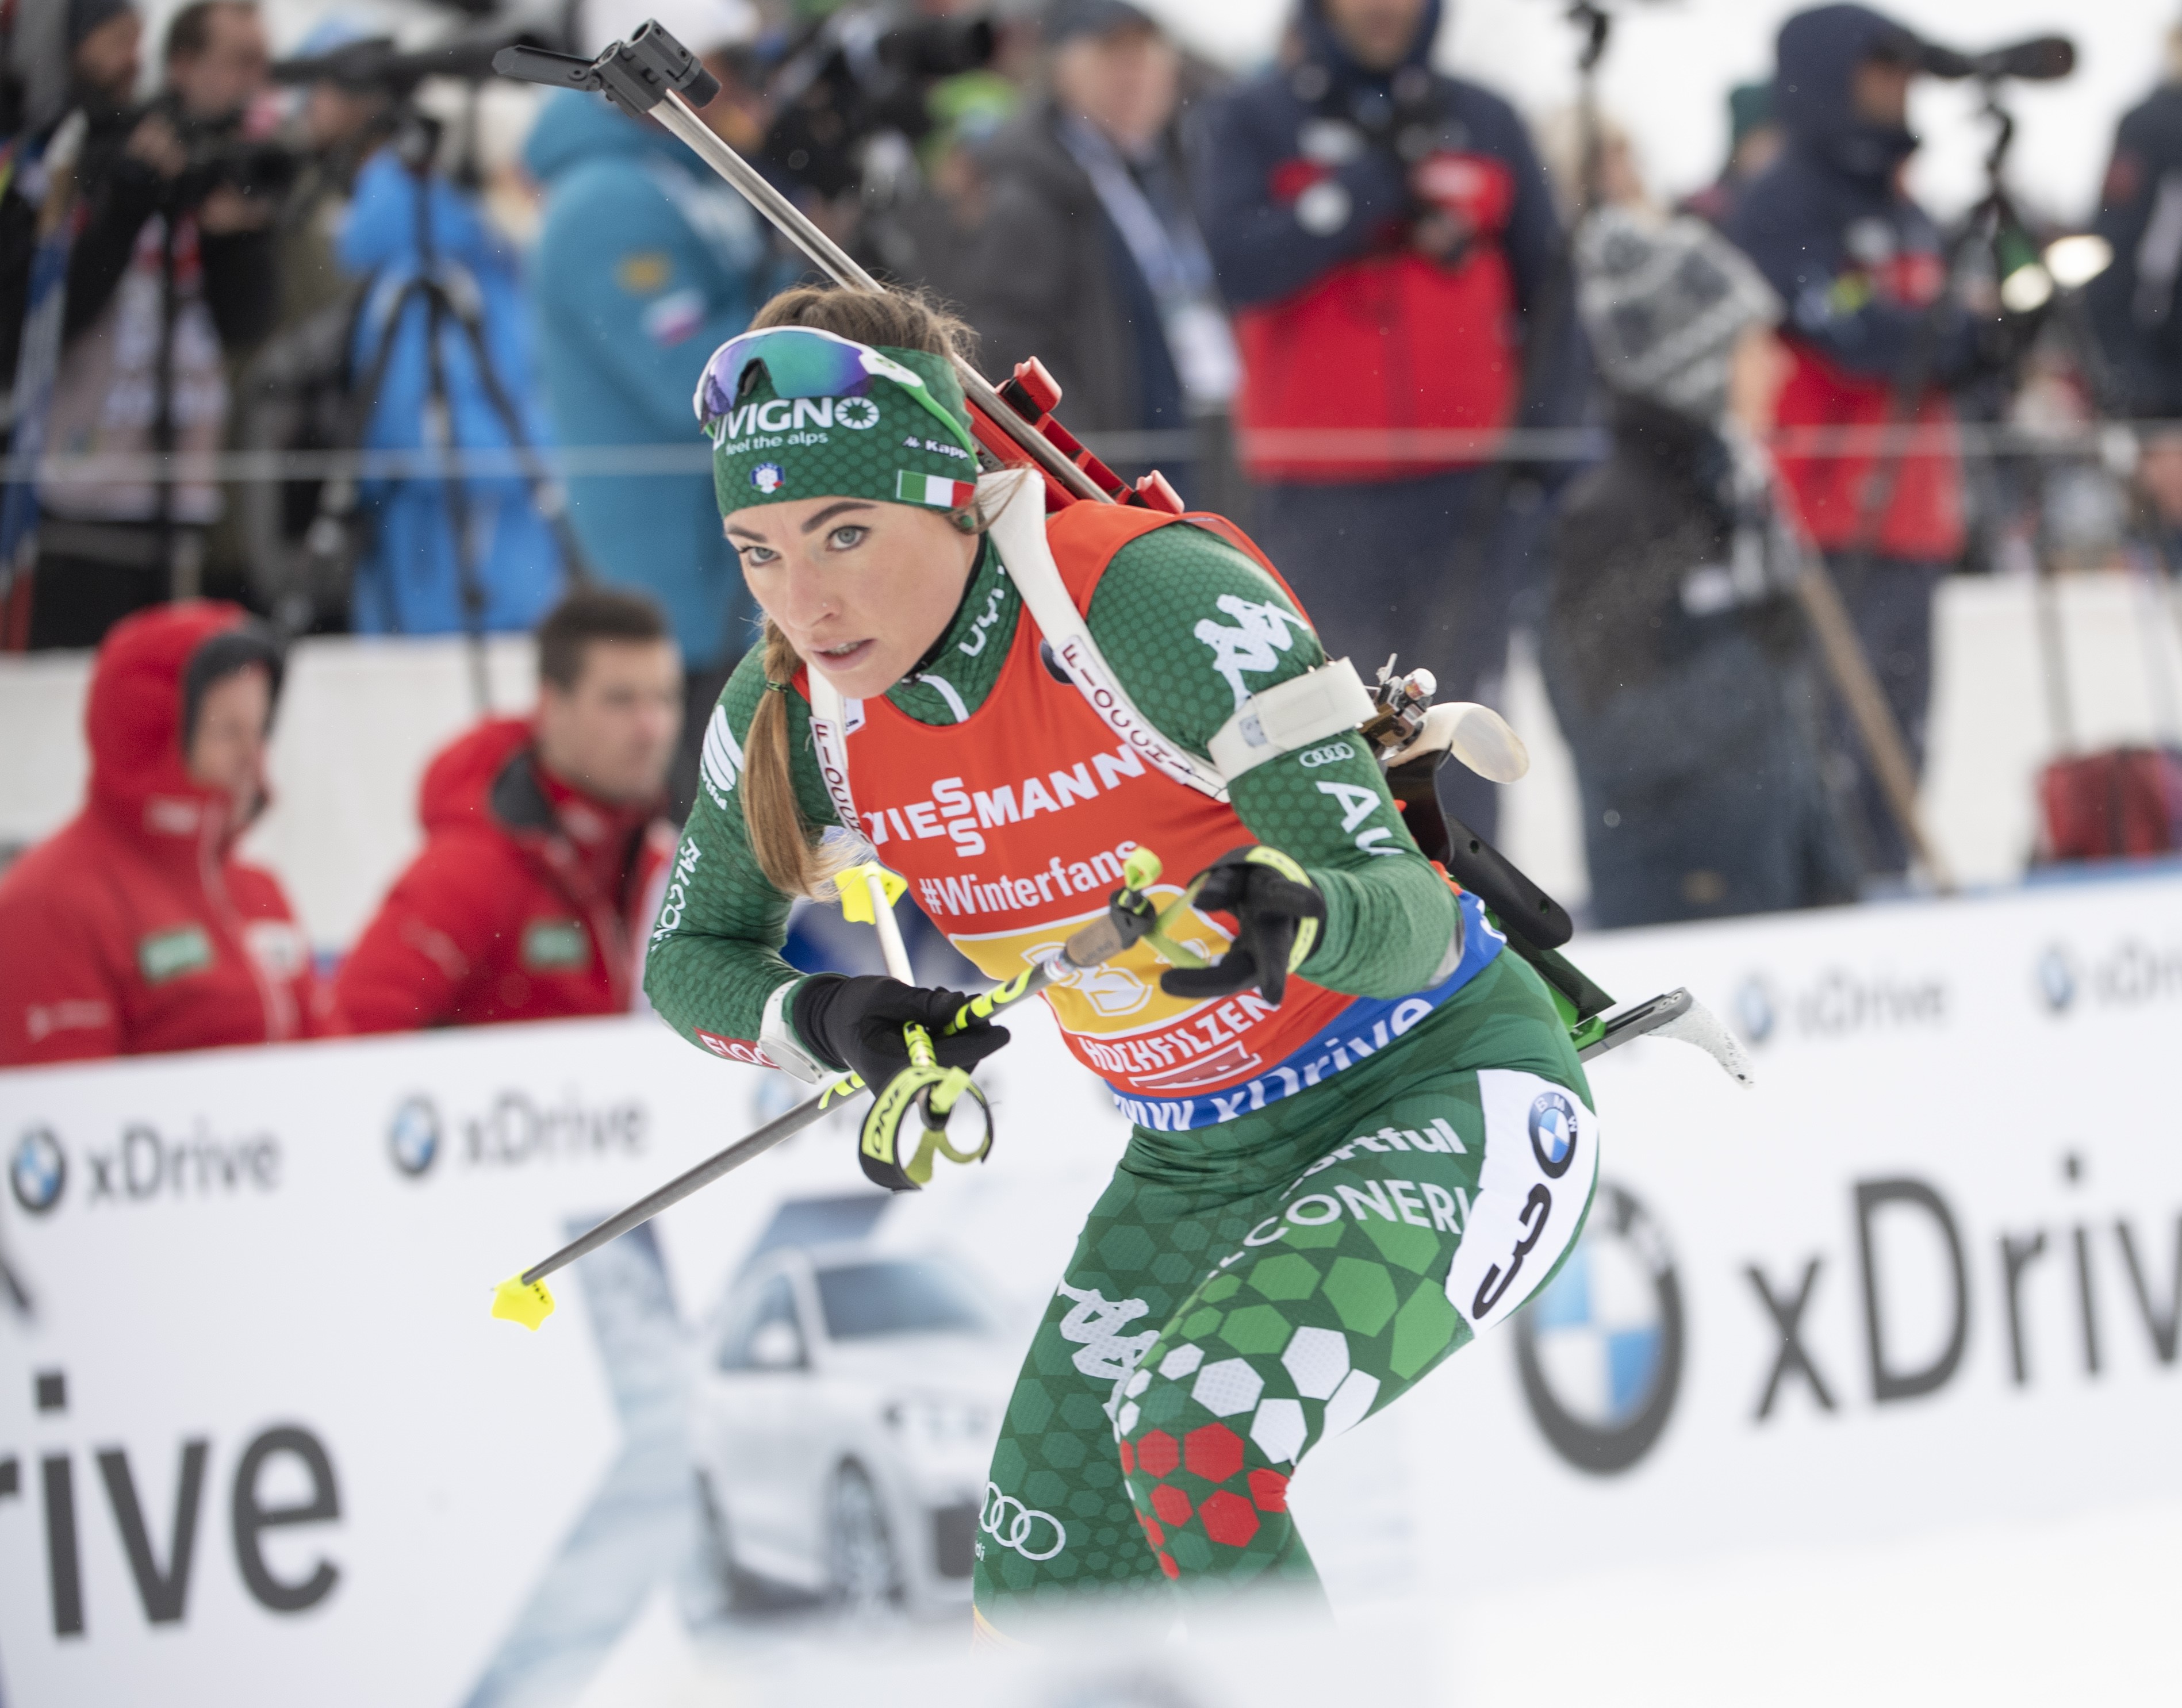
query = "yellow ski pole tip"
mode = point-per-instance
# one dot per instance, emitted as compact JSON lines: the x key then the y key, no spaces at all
{"x":529,"y":1305}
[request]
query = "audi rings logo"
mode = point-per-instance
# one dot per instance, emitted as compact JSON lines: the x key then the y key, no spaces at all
{"x":1553,"y":1134}
{"x":1600,"y":1351}
{"x":1026,"y":1526}
{"x":413,"y":1137}
{"x":38,"y":1170}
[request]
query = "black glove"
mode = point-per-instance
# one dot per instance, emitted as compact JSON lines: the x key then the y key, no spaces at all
{"x":856,"y":1023}
{"x":1277,"y":912}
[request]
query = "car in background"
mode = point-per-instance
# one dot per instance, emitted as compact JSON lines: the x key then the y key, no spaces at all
{"x":844,"y":1409}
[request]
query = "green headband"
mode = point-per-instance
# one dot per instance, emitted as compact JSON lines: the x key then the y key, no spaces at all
{"x":892,"y":444}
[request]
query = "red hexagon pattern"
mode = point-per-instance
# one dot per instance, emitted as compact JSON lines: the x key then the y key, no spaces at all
{"x":1227,"y":1519}
{"x":1270,"y":1489}
{"x":1158,"y":1454}
{"x":1170,"y":1504}
{"x":1214,"y":1453}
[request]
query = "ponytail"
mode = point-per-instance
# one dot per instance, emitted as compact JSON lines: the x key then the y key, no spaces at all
{"x":789,"y":850}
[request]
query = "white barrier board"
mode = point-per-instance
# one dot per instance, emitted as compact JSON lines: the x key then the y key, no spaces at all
{"x":260,"y":1441}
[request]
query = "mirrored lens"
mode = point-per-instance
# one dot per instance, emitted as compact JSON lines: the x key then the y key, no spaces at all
{"x":800,"y":361}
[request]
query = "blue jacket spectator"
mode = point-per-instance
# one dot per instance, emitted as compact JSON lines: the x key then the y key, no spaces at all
{"x":647,"y":263}
{"x":2136,"y":304}
{"x":443,"y":556}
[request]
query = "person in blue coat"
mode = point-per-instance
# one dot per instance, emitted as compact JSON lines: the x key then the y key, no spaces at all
{"x":646,"y":263}
{"x":470,"y":554}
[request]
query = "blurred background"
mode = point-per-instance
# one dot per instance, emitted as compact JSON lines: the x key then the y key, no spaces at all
{"x":1774,"y":411}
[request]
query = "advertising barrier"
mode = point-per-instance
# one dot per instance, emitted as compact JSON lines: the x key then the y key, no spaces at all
{"x":260,"y":1441}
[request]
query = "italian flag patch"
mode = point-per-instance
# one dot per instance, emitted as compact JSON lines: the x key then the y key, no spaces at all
{"x":934,"y":489}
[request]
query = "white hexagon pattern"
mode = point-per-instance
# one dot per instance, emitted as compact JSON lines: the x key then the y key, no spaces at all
{"x":1317,"y":1359}
{"x":1227,"y":1387}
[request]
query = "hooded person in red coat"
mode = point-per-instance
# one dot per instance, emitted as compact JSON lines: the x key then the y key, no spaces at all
{"x":135,"y":928}
{"x":544,"y":844}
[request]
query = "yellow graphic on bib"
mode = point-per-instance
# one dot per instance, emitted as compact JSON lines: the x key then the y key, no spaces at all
{"x":1121,"y":995}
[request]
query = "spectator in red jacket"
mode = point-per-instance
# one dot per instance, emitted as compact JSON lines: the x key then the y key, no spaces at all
{"x":543,"y":841}
{"x":135,"y":928}
{"x":1387,"y":240}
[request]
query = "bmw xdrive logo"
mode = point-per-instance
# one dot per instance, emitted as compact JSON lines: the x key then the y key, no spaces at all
{"x":1553,"y":1134}
{"x":412,"y":1137}
{"x":2056,"y":978}
{"x":38,"y":1170}
{"x":1600,"y":1351}
{"x":1754,"y":1010}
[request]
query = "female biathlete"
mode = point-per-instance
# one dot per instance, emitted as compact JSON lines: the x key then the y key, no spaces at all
{"x":1360,"y":1135}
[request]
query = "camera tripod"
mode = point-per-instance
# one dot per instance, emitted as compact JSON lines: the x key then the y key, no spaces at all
{"x":451,"y":304}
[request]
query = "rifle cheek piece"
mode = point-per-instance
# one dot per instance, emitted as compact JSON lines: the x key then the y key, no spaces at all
{"x":636,"y":74}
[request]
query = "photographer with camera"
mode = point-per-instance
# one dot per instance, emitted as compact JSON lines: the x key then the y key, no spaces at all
{"x":1878,"y":340}
{"x":174,"y":265}
{"x":1388,"y":240}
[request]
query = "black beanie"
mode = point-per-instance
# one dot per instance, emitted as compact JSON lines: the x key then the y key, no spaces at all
{"x":222,"y":655}
{"x":84,"y":16}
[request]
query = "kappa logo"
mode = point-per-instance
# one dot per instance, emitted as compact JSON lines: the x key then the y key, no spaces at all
{"x":37,"y":1172}
{"x":1023,"y":1525}
{"x":1263,"y":631}
{"x":1600,"y":1351}
{"x":1094,"y":1322}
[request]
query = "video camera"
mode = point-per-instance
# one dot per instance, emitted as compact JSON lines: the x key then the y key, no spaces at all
{"x":220,"y":155}
{"x":859,"y":73}
{"x":377,"y":65}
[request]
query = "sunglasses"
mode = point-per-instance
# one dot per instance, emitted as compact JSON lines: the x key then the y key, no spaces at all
{"x":803,"y":362}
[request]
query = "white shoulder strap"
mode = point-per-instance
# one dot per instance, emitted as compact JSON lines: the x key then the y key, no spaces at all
{"x":1012,"y":498}
{"x":830,"y":723}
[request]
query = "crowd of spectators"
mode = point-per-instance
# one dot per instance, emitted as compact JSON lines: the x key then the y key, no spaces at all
{"x":1350,"y":296}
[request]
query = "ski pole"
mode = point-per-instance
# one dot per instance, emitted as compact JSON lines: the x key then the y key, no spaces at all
{"x":524,"y":1299}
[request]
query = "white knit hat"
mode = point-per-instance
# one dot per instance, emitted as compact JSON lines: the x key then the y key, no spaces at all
{"x":1663,"y":302}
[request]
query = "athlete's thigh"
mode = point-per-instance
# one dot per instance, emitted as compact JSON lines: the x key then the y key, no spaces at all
{"x":1056,"y":1522}
{"x":1444,"y":1208}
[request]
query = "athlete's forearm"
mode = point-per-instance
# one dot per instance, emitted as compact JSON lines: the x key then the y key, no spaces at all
{"x":1390,"y":918}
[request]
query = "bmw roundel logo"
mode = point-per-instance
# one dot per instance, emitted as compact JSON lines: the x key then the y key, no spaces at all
{"x":1553,"y":1133}
{"x":1600,"y":1350}
{"x":412,"y":1137}
{"x":2056,"y":978}
{"x":38,"y":1170}
{"x":1754,"y":1010}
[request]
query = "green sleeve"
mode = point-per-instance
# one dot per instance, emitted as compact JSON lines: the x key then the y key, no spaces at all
{"x":1192,"y":627}
{"x":714,"y":957}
